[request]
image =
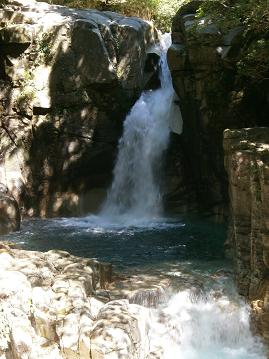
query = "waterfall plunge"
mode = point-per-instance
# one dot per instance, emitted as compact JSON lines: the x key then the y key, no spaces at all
{"x":135,"y":191}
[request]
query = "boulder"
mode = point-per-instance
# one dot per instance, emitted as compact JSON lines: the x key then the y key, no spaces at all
{"x":125,"y":325}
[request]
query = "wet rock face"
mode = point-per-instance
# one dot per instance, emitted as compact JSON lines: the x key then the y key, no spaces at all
{"x":247,"y":165}
{"x":212,"y":97}
{"x":67,"y":79}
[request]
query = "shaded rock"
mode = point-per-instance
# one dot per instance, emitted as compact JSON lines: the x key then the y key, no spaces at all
{"x":19,"y":34}
{"x":85,"y":36}
{"x":212,"y":97}
{"x":151,"y":297}
{"x":9,"y":214}
{"x":247,"y":165}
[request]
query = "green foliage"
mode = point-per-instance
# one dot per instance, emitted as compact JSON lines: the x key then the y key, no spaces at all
{"x":253,"y":15}
{"x":44,"y":47}
{"x":165,"y":11}
{"x":255,"y":62}
{"x":160,"y":12}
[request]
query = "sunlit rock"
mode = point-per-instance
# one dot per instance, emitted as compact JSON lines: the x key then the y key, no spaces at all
{"x":94,"y":305}
{"x":16,"y":287}
{"x":47,"y":309}
{"x":120,"y":332}
{"x":21,"y":336}
{"x":6,"y":261}
{"x":68,"y":332}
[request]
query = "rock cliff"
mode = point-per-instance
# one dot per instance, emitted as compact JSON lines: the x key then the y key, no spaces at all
{"x":247,"y":165}
{"x":67,"y":79}
{"x":212,"y":97}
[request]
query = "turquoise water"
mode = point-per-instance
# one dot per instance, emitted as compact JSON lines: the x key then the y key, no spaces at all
{"x":164,"y":240}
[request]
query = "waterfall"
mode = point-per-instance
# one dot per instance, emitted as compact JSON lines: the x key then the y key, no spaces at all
{"x":135,"y":191}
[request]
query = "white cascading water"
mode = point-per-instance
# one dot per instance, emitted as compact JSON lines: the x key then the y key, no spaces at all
{"x":135,"y":191}
{"x":190,"y":327}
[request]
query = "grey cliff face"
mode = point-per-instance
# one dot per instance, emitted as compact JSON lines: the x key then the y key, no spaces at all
{"x":68,"y":78}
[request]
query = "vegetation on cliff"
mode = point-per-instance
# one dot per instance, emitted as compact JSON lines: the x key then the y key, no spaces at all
{"x":253,"y":14}
{"x":159,"y":11}
{"x":253,"y":61}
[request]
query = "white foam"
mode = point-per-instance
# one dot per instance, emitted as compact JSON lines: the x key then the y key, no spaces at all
{"x":193,"y":327}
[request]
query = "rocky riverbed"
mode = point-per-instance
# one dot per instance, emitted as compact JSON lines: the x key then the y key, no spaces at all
{"x":53,"y":306}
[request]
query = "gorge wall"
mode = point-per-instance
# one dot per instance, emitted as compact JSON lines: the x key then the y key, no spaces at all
{"x":247,"y":165}
{"x":212,"y":97}
{"x":67,"y":79}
